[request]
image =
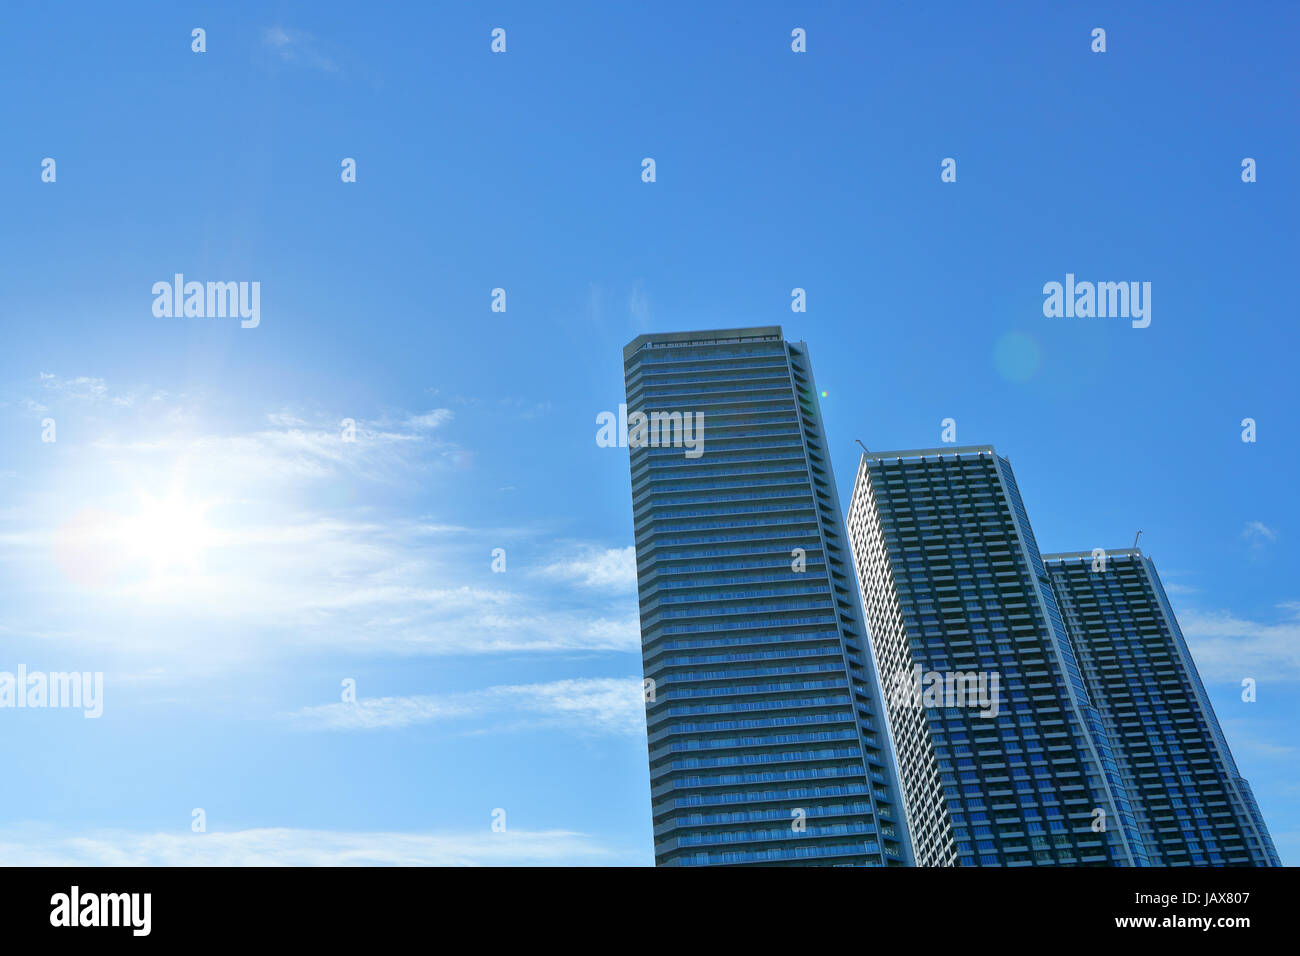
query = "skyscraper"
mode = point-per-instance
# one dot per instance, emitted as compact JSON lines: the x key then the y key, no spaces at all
{"x":1192,"y":805}
{"x":1003,"y":756}
{"x":767,"y":740}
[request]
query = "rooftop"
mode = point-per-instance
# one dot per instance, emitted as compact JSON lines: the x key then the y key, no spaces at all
{"x":703,"y":337}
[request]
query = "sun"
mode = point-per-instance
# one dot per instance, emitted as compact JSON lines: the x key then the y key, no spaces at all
{"x":151,"y":545}
{"x":170,"y":535}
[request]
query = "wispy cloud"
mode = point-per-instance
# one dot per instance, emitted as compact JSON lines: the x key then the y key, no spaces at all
{"x":87,"y":390}
{"x":278,"y":846}
{"x":280,"y":561}
{"x":292,"y":451}
{"x":1258,"y":534}
{"x":298,"y":47}
{"x":430,"y":420}
{"x":582,"y":705}
{"x":1245,"y":736}
{"x":390,"y":586}
{"x":638,"y":302}
{"x":1229,"y":648}
{"x":611,"y":568}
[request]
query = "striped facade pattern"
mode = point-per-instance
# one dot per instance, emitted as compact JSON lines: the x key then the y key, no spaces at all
{"x":953,"y":582}
{"x":767,"y":739}
{"x":1192,"y":804}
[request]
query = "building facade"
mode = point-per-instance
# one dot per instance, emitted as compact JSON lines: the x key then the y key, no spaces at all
{"x":1192,"y":805}
{"x":767,"y":738}
{"x":1003,"y":756}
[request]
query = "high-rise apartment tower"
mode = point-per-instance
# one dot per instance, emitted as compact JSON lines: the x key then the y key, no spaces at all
{"x":1192,"y":805}
{"x":1003,"y":755}
{"x":767,"y":740}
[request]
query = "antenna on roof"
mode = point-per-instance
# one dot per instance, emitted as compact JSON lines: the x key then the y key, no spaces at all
{"x":1135,"y":540}
{"x":864,"y":447}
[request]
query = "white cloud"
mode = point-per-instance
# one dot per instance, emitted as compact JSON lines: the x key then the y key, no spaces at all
{"x":297,"y":46}
{"x":284,"y":419}
{"x":1229,"y":648}
{"x":1243,"y":736}
{"x":612,"y":568}
{"x":557,"y":631}
{"x":582,"y":705}
{"x":373,"y":713}
{"x":431,"y":419}
{"x":396,"y":586}
{"x":276,"y":564}
{"x":286,"y":453}
{"x":87,"y":390}
{"x":1258,"y":534}
{"x":638,"y":303}
{"x":279,"y":846}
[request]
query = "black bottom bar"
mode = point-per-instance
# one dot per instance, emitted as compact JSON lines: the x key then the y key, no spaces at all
{"x":942,"y":906}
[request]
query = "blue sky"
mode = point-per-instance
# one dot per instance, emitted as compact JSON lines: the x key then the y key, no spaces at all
{"x":200,"y":533}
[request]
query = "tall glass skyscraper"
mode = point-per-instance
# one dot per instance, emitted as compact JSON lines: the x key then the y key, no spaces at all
{"x":1192,"y":805}
{"x":958,"y":599}
{"x":767,"y":740}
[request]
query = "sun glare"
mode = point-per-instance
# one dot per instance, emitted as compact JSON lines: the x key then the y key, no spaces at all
{"x":170,"y":534}
{"x":159,"y":540}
